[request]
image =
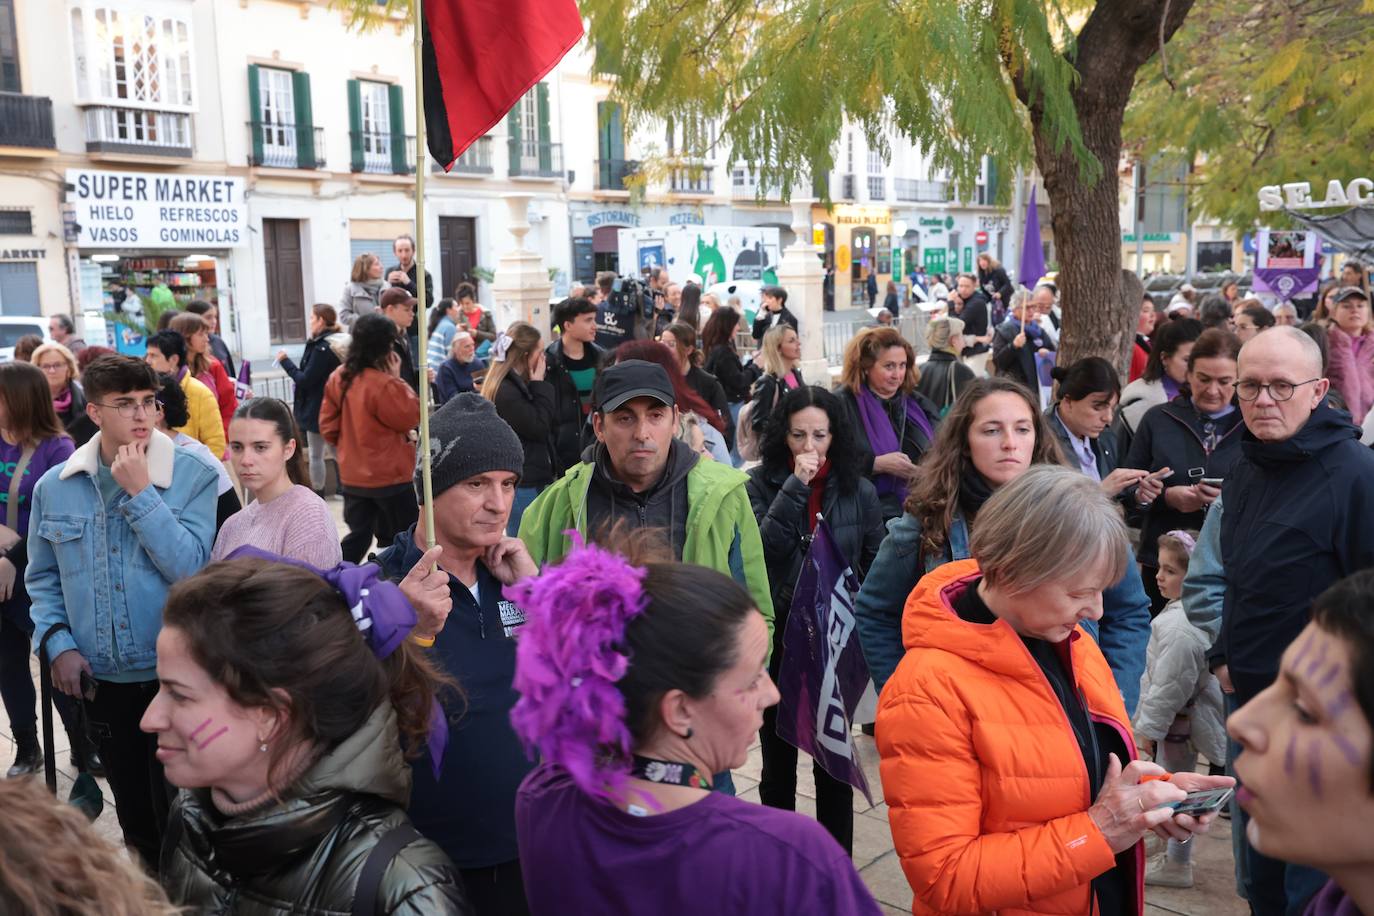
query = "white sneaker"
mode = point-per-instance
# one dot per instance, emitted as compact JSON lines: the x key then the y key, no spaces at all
{"x":1162,"y":872}
{"x":1153,"y":845}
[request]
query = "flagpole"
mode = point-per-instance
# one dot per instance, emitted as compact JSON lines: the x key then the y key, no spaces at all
{"x":421,"y":310}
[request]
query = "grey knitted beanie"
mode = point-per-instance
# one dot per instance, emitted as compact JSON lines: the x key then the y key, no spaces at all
{"x":467,"y":438}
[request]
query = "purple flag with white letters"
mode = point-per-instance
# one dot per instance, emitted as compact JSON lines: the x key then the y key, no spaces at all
{"x":823,"y":675}
{"x":243,"y":388}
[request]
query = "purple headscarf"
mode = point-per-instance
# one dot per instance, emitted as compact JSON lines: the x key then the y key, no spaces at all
{"x":383,"y":614}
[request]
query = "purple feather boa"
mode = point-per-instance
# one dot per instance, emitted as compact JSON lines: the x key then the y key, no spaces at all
{"x":570,"y":654}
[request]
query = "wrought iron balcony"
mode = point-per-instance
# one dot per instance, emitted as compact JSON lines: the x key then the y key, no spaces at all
{"x":911,"y":189}
{"x":611,"y":173}
{"x":697,"y":178}
{"x":138,"y":131}
{"x":284,"y":146}
{"x":529,"y":159}
{"x":376,"y":153}
{"x":26,"y":120}
{"x":745,"y":185}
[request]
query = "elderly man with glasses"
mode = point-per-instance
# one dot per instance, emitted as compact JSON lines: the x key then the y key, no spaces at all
{"x":1297,"y":516}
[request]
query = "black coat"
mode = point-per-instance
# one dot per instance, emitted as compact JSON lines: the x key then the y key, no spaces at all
{"x":943,"y":377}
{"x":764,"y":320}
{"x":706,"y":385}
{"x":1295,"y":519}
{"x":1171,"y":436}
{"x":318,"y":362}
{"x":768,"y":392}
{"x":572,"y":432}
{"x":913,"y":440}
{"x":975,"y":315}
{"x":779,"y":500}
{"x":75,"y":420}
{"x":735,"y":377}
{"x":528,"y":406}
{"x":1018,"y":363}
{"x":893,"y":304}
{"x":413,"y":286}
{"x":996,"y":281}
{"x":1105,"y":450}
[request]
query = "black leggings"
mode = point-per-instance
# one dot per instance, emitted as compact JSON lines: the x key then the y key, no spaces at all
{"x":16,"y":680}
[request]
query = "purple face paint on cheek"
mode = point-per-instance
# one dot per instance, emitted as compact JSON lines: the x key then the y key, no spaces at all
{"x":1314,"y":768}
{"x":200,"y":728}
{"x":1290,"y":755}
{"x":1347,"y":749}
{"x":1339,"y":705}
{"x":208,"y":741}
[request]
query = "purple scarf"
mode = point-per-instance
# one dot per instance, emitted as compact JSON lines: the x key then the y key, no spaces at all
{"x":63,"y":402}
{"x":882,"y":438}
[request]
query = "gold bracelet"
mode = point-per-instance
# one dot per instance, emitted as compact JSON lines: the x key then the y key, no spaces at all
{"x":424,"y":642}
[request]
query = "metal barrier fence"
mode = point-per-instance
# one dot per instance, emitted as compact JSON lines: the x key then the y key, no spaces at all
{"x":274,"y":383}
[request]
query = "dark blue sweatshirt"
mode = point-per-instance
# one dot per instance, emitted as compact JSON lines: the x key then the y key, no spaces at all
{"x":470,"y":811}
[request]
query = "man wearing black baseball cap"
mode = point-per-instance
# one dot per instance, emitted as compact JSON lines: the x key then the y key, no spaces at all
{"x":639,"y":475}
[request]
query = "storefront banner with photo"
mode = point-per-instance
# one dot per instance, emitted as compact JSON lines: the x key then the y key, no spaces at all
{"x":1286,"y":262}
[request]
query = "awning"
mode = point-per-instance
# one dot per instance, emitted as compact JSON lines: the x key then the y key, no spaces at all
{"x":1351,"y":231}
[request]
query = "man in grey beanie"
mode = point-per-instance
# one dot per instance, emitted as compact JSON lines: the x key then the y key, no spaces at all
{"x":469,"y":810}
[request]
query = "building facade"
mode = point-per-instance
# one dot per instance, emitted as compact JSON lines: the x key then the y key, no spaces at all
{"x":246,"y":152}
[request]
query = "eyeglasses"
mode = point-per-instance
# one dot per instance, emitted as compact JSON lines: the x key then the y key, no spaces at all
{"x":129,"y":409}
{"x":53,"y":368}
{"x":1248,"y":390}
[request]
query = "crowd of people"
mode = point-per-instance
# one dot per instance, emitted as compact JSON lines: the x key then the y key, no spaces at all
{"x":537,"y":706}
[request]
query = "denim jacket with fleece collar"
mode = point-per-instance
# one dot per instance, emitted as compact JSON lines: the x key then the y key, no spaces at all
{"x":106,"y":574}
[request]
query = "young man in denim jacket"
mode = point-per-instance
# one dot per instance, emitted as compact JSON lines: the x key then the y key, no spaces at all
{"x":112,"y":528}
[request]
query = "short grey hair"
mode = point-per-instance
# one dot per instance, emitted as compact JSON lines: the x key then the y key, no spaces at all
{"x":1051,"y":524}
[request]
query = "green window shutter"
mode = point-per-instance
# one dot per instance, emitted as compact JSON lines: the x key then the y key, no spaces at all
{"x":541,"y":95}
{"x":305,"y":121}
{"x":355,"y":124}
{"x":255,"y":113}
{"x":612,"y":133}
{"x":400,"y":162}
{"x":513,"y":130}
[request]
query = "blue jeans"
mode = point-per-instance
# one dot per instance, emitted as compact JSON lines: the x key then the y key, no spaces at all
{"x":523,"y":497}
{"x":734,"y":424}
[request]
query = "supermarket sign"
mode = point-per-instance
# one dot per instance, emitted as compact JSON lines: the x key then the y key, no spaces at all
{"x":157,"y":210}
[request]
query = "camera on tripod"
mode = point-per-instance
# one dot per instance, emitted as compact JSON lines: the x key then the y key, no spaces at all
{"x":632,"y":295}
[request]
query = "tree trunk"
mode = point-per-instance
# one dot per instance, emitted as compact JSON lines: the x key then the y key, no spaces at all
{"x":1119,"y":37}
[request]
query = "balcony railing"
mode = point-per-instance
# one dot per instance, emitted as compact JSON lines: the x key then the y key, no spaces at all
{"x":745,"y":185}
{"x":698,"y":178}
{"x":847,"y":187}
{"x":376,"y":153}
{"x":910,"y":189}
{"x":26,"y":120}
{"x":284,"y":146}
{"x":611,"y":173}
{"x":136,"y":130}
{"x":535,"y":160}
{"x":877,"y":187}
{"x":476,"y":159}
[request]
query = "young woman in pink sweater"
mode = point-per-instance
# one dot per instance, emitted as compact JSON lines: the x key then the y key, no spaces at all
{"x":285,"y":516}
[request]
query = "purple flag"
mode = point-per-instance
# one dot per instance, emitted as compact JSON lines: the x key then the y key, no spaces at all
{"x":1032,"y":251}
{"x":823,"y":675}
{"x":243,"y":388}
{"x":1287,"y":282}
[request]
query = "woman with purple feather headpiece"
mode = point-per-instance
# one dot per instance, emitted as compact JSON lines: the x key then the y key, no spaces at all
{"x":638,"y":680}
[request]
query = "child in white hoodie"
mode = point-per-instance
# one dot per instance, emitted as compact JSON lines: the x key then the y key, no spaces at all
{"x":1180,"y":713}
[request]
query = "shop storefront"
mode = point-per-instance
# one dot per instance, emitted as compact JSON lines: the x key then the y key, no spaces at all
{"x":152,"y":241}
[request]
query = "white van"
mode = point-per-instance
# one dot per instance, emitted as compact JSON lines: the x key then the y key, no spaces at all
{"x":14,"y":327}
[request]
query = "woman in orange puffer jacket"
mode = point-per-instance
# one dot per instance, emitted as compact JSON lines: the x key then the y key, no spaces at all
{"x":1002,"y":723}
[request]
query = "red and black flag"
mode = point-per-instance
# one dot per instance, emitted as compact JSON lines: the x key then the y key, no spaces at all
{"x":480,"y":57}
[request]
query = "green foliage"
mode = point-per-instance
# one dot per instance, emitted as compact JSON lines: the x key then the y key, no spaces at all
{"x":1264,"y":92}
{"x":780,"y":78}
{"x":152,"y":311}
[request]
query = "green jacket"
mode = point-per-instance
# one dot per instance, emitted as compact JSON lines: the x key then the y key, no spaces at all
{"x":722,"y":532}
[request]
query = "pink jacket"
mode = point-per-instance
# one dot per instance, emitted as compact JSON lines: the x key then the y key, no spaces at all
{"x":1351,"y":375}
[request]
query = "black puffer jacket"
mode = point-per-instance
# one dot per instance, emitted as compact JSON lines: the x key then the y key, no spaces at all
{"x":306,"y":853}
{"x":943,"y":377}
{"x":74,"y":419}
{"x":1171,"y":436}
{"x":528,"y":406}
{"x":779,"y":500}
{"x":913,"y":440}
{"x":319,"y":359}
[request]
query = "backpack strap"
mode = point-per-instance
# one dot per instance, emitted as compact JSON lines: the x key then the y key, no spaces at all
{"x":378,"y":860}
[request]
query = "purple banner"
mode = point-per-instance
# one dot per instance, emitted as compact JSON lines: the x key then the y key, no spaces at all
{"x":1287,"y":282}
{"x":1032,"y":249}
{"x":823,"y":675}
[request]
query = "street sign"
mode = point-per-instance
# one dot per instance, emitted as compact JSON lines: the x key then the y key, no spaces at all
{"x":981,"y":238}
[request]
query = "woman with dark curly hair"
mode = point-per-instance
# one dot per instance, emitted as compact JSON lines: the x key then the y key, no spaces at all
{"x":810,"y":466}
